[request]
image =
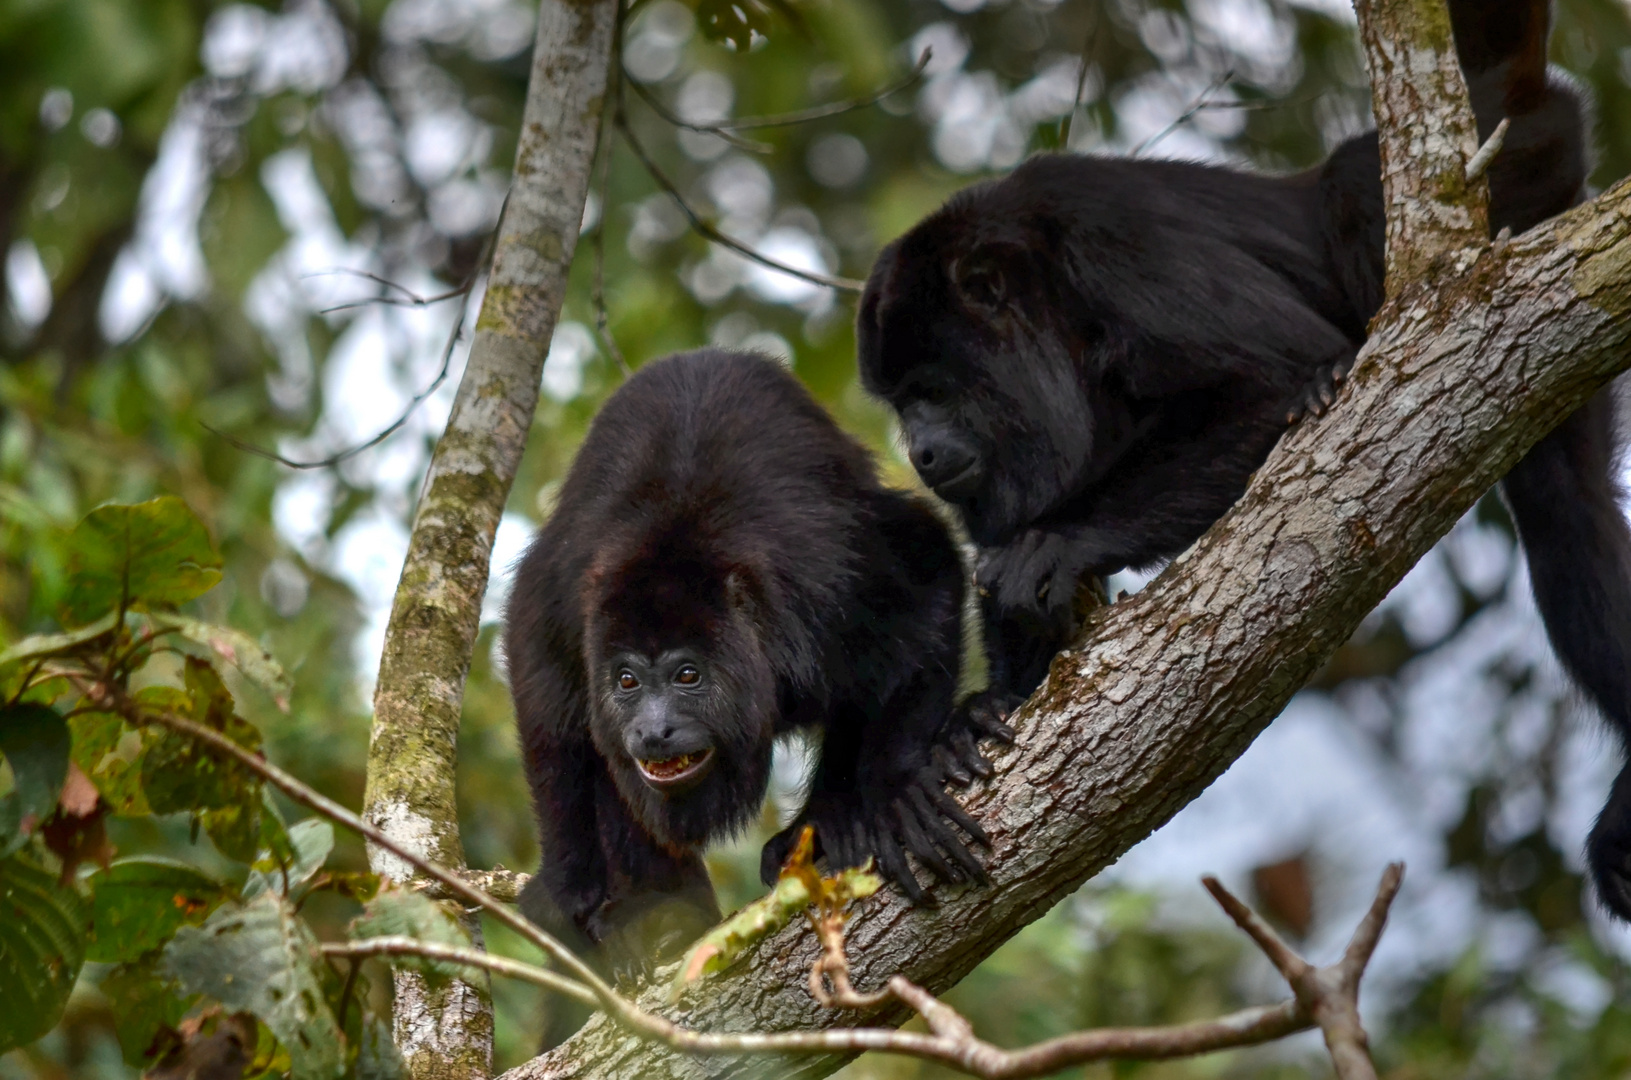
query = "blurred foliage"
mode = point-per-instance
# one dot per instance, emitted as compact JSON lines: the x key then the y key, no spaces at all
{"x":223,"y":214}
{"x":167,"y":935}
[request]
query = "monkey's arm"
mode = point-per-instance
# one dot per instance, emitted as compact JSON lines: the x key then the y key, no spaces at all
{"x":571,"y":884}
{"x":879,"y":789}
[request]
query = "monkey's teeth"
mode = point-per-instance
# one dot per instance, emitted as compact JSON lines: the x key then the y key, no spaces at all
{"x":668,"y":768}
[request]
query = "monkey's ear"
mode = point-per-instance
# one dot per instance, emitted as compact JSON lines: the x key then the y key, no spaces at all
{"x":739,"y":590}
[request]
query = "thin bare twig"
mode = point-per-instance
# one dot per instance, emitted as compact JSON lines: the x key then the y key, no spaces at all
{"x":708,"y":232}
{"x":597,"y":285}
{"x":724,"y":128}
{"x":1196,"y":106}
{"x":395,"y":425}
{"x":1486,"y":153}
{"x":1330,"y":995}
{"x":409,"y":298}
{"x":398,"y":945}
{"x":1081,"y":78}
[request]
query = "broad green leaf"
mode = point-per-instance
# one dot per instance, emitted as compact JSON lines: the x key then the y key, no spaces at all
{"x":109,"y":751}
{"x":261,"y":958}
{"x":144,"y":1004}
{"x":151,"y":553}
{"x":398,"y":911}
{"x":33,"y":648}
{"x":42,"y":946}
{"x":138,"y":903}
{"x":238,"y":649}
{"x":34,"y":741}
{"x":234,"y":830}
{"x":312,"y":840}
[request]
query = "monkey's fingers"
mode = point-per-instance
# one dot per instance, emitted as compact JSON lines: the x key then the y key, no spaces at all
{"x":952,"y":809}
{"x":892,"y":863}
{"x":919,"y":844}
{"x":968,"y":753}
{"x":948,"y":840}
{"x":951,"y":766}
{"x":987,"y":711}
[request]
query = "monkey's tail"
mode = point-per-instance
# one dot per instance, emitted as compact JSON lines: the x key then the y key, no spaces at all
{"x":1565,"y":499}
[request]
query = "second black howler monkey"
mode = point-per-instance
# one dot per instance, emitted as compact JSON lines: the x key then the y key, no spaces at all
{"x":1090,"y":356}
{"x":722,"y":568}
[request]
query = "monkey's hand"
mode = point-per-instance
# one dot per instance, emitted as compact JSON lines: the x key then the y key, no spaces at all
{"x":1033,"y":580}
{"x":1321,"y":392}
{"x":981,"y":716}
{"x":915,"y":815}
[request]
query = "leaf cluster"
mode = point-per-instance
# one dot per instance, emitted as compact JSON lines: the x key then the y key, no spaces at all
{"x":208,"y":974}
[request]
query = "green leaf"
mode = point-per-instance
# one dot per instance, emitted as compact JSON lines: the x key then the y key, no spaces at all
{"x":238,"y":649}
{"x":151,"y":553}
{"x":139,"y":903}
{"x":33,"y":648}
{"x":312,"y":840}
{"x":261,"y":958}
{"x":42,"y":946}
{"x":144,"y":1004}
{"x":234,"y":830}
{"x":109,"y":751}
{"x":34,"y":740}
{"x":403,"y":912}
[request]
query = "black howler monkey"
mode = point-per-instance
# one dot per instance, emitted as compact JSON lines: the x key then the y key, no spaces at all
{"x":722,"y":568}
{"x":1090,"y":357}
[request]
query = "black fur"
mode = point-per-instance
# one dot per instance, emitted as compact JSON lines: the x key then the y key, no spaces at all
{"x":1091,"y":356}
{"x":724,"y":568}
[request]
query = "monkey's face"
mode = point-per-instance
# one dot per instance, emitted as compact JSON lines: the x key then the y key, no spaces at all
{"x":663,"y":706}
{"x":962,"y":341}
{"x":686,"y":729}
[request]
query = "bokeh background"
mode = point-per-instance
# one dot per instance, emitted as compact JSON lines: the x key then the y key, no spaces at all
{"x":222,"y":218}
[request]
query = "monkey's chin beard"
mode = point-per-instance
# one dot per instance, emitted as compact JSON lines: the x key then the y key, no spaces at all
{"x":671,"y":776}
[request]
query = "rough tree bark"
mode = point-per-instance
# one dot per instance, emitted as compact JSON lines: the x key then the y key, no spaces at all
{"x":446,"y":1032}
{"x":1482,"y":351}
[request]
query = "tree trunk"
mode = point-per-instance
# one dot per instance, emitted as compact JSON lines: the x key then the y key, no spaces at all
{"x":446,"y":1033}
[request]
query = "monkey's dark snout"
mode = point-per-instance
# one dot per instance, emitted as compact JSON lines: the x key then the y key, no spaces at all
{"x":946,"y":464}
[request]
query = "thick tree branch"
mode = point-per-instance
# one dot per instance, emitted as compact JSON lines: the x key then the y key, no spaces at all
{"x":447,"y":1031}
{"x":1169,"y":687}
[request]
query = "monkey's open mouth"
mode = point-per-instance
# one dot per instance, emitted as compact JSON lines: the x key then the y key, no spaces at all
{"x":675,"y":771}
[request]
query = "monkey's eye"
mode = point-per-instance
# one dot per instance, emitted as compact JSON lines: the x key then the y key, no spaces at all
{"x":688,"y":675}
{"x":626,"y":680}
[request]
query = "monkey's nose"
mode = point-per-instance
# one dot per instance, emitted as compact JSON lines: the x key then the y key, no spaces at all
{"x":939,"y":460}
